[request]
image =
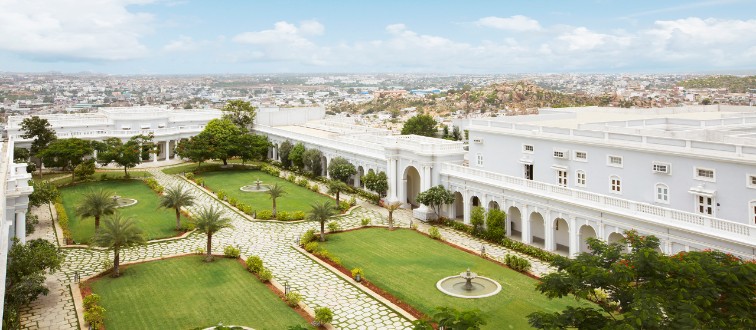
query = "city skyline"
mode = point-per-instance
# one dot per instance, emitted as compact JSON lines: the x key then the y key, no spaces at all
{"x":190,"y":37}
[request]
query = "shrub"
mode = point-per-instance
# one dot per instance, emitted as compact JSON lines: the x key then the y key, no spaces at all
{"x":323,"y":315}
{"x":254,"y":264}
{"x":358,"y":271}
{"x":233,"y":201}
{"x":413,"y":226}
{"x":298,"y":215}
{"x":107,"y":264}
{"x":189,"y":176}
{"x":245,"y":208}
{"x":264,"y":215}
{"x":314,"y":187}
{"x":308,"y":236}
{"x":95,"y":316}
{"x":303,"y":182}
{"x":291,"y":178}
{"x":200,"y":182}
{"x":527,"y":249}
{"x":265,"y":275}
{"x":270,"y":170}
{"x":352,"y":201}
{"x":63,"y":220}
{"x":323,"y":253}
{"x":434,"y":233}
{"x":365,"y":222}
{"x":293,"y":298}
{"x":311,"y":247}
{"x":283,"y":216}
{"x":91,"y":300}
{"x":344,"y":206}
{"x":199,"y":251}
{"x":477,"y":218}
{"x":334,"y":226}
{"x":221,"y":194}
{"x":231,"y":252}
{"x":517,"y":263}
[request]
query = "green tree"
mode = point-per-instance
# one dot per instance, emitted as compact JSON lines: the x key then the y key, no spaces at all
{"x":391,"y":207}
{"x":423,"y":125}
{"x":44,"y":192}
{"x":25,"y":277}
{"x":126,"y":155}
{"x":450,"y":318}
{"x":283,"y":152}
{"x":210,"y":220}
{"x":296,"y":155}
{"x":275,"y":192}
{"x":495,"y":224}
{"x":381,"y":183}
{"x":21,"y":155}
{"x":66,"y":153}
{"x":241,"y":113}
{"x":197,"y":149}
{"x":85,"y":169}
{"x":118,"y":233}
{"x":341,"y":169}
{"x":320,"y":212}
{"x":456,"y":134}
{"x":223,"y":136}
{"x":336,"y":188}
{"x":253,"y":147}
{"x":645,"y":289}
{"x":312,"y":159}
{"x":41,"y":132}
{"x":96,"y":203}
{"x":706,"y":101}
{"x":435,"y":197}
{"x":176,"y":197}
{"x":477,"y":218}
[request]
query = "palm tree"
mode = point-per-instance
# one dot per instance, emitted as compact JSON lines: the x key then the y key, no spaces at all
{"x":96,"y":203}
{"x":209,"y":220}
{"x":118,"y":233}
{"x":321,"y":212}
{"x":336,"y":187}
{"x":275,"y":192}
{"x":391,"y":207}
{"x":177,"y":197}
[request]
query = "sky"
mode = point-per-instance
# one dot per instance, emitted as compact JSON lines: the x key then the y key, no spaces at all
{"x":478,"y":37}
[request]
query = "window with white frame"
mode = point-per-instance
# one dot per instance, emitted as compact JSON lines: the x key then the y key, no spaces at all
{"x":615,"y":184}
{"x":479,"y":160}
{"x":562,"y":178}
{"x":527,"y":148}
{"x":615,"y":161}
{"x":705,"y":174}
{"x":658,"y":167}
{"x":751,"y":181}
{"x":581,"y":156}
{"x":662,"y":193}
{"x":559,"y":153}
{"x":705,"y":204}
{"x":752,"y":210}
{"x":580,"y":178}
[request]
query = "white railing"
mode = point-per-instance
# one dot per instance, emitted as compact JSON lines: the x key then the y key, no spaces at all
{"x":350,"y":145}
{"x":424,"y":145}
{"x":99,"y":133}
{"x":660,"y":214}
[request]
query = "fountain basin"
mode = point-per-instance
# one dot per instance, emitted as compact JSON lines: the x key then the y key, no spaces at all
{"x":254,"y":188}
{"x":481,"y":287}
{"x":124,"y":202}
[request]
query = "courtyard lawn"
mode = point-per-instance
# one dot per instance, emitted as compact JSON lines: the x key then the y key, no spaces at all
{"x":187,"y":293}
{"x":407,"y":265}
{"x":296,"y":199}
{"x":155,"y":222}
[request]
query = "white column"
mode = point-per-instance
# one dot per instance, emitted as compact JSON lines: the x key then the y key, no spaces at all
{"x":155,"y":155}
{"x":527,"y":238}
{"x":21,"y":227}
{"x":427,"y":184}
{"x":165,"y":150}
{"x":574,"y":239}
{"x":466,"y":207}
{"x":549,"y":229}
{"x":392,"y":179}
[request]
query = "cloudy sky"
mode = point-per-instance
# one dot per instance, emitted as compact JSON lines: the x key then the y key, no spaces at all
{"x":228,"y":36}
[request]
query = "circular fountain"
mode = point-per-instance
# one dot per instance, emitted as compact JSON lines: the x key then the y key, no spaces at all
{"x":123,"y":202}
{"x":468,"y":285}
{"x":257,"y":187}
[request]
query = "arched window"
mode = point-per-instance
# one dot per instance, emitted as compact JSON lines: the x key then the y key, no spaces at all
{"x":661,"y":193}
{"x":615,"y":184}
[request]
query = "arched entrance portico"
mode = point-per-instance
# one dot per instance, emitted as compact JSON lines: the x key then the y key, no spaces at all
{"x":561,"y":235}
{"x":411,"y":186}
{"x":515,"y":221}
{"x":537,"y":230}
{"x":493,"y":205}
{"x":616,"y":238}
{"x":459,"y":206}
{"x":474,"y":201}
{"x":586,"y":232}
{"x":358,"y":177}
{"x":324,"y":165}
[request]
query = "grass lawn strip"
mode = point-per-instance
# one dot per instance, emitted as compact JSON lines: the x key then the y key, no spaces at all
{"x":407,"y":265}
{"x":154,"y":221}
{"x":186,"y":293}
{"x":296,"y":198}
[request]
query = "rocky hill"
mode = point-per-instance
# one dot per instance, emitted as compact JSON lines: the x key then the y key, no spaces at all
{"x":733,"y":84}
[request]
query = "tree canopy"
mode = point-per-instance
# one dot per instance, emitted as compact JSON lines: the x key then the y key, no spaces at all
{"x":126,"y":155}
{"x":296,"y":156}
{"x":253,"y":147}
{"x":42,"y":133}
{"x":240,"y":113}
{"x":66,"y":153}
{"x":376,"y":182}
{"x":435,"y":197}
{"x":341,"y":169}
{"x":196,"y":149}
{"x":312,"y":159}
{"x":283,"y":152}
{"x":645,"y":289}
{"x":423,"y":125}
{"x":223,"y":136}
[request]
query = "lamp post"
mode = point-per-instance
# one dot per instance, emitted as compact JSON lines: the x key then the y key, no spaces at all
{"x":287,"y":288}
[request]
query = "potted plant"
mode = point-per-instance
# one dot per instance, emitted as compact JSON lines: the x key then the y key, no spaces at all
{"x":357,"y":274}
{"x":323,"y":315}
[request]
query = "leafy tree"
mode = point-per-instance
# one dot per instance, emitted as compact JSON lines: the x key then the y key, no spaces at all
{"x":391,"y":207}
{"x":450,"y":318}
{"x":21,"y":155}
{"x":66,"y":153}
{"x":321,"y":212}
{"x":85,"y":169}
{"x":336,"y":188}
{"x":176,"y":197}
{"x":223,"y":136}
{"x":477,"y":218}
{"x":456,"y":134}
{"x":44,"y":192}
{"x":706,"y":101}
{"x":296,"y":155}
{"x":41,"y":132}
{"x":253,"y":147}
{"x":435,"y":197}
{"x":283,"y":152}
{"x":312,"y":159}
{"x":127,"y":155}
{"x":210,"y":220}
{"x":25,"y":278}
{"x":381,"y":183}
{"x":645,"y":289}
{"x":275,"y":192}
{"x":495,"y":224}
{"x":423,"y":125}
{"x":96,"y":203}
{"x":341,"y":169}
{"x":197,"y":149}
{"x":241,"y":113}
{"x":118,"y":233}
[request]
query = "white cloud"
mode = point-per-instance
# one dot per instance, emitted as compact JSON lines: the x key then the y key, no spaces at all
{"x":183,"y":44}
{"x":285,"y":42}
{"x":517,"y":23}
{"x":73,"y":29}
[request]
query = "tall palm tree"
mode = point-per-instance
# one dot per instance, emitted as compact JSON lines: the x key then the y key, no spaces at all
{"x":321,"y":212}
{"x":118,"y":233}
{"x":336,"y":187}
{"x":209,"y":220}
{"x":175,"y":198}
{"x":96,"y":203}
{"x":275,"y":192}
{"x":391,"y":207}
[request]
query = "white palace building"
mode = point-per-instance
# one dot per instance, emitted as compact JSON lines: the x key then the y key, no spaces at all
{"x":686,"y":174}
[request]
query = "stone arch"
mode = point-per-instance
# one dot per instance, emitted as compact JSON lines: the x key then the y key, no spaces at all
{"x":323,"y":165}
{"x":459,"y":205}
{"x":562,"y":235}
{"x":515,"y":219}
{"x":493,"y":205}
{"x":537,"y":229}
{"x":412,"y":185}
{"x":586,"y":232}
{"x":474,"y":201}
{"x":358,"y":177}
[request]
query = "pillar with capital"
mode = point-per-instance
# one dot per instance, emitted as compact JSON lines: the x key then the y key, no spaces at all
{"x":392,"y":178}
{"x":527,"y":238}
{"x":20,"y":227}
{"x":574,"y":239}
{"x":549,"y":228}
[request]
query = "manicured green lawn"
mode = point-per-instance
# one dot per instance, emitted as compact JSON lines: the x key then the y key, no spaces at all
{"x":296,"y":199}
{"x":187,"y":293}
{"x":408,"y":265}
{"x":155,"y":222}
